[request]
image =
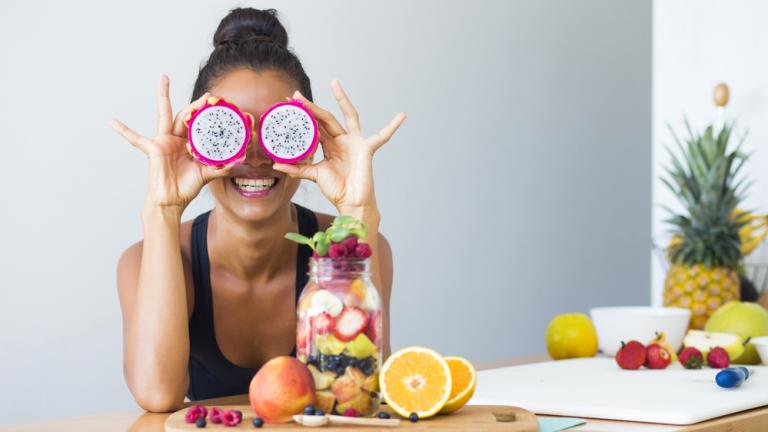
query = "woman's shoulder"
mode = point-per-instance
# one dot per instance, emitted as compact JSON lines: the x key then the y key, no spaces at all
{"x":132,"y":254}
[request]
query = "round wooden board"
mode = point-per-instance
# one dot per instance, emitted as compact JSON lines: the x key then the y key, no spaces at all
{"x":470,"y":418}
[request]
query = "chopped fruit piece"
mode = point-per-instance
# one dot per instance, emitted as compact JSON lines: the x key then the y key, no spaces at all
{"x":355,"y":293}
{"x":657,"y":357}
{"x":371,"y":383}
{"x":325,"y":301}
{"x":362,"y":404}
{"x":350,"y":412}
{"x":691,"y":358}
{"x":361,"y":347}
{"x":463,"y":381}
{"x":416,"y":380}
{"x":363,"y":250}
{"x":374,"y":326}
{"x":704,"y":341}
{"x":631,"y":355}
{"x":322,"y":324}
{"x":349,"y":385}
{"x":303,"y":338}
{"x":718,"y":358}
{"x":329,"y":345}
{"x":324,"y":401}
{"x":350,"y":323}
{"x":323,"y":380}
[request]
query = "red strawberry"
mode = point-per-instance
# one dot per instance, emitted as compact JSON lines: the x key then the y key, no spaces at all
{"x":374,"y":326}
{"x":718,"y":358}
{"x":631,"y":355}
{"x":363,"y":250}
{"x":350,"y":323}
{"x":691,"y":358}
{"x":657,"y":357}
{"x":322,"y":324}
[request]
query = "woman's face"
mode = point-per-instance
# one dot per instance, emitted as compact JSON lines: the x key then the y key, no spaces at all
{"x":253,"y":190}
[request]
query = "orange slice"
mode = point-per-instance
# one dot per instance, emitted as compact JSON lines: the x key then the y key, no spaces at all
{"x":415,"y":380}
{"x":463,"y":378}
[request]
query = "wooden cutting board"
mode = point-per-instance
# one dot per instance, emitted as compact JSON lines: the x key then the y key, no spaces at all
{"x":470,"y":418}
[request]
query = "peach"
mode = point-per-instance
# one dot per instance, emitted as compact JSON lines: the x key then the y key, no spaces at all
{"x":324,"y":400}
{"x":281,"y":389}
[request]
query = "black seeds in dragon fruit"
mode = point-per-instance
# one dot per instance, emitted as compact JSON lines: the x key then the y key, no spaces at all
{"x":219,"y":133}
{"x":288,"y":132}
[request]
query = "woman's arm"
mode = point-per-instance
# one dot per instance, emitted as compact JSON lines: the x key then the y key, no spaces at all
{"x":345,"y":177}
{"x":151,"y":275}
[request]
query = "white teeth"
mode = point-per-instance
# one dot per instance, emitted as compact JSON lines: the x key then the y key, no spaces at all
{"x":254,"y":185}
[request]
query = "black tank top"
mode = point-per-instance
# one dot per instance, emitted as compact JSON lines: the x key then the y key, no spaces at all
{"x":210,"y":373}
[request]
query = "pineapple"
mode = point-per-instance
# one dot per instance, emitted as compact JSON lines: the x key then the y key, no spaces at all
{"x":707,"y":253}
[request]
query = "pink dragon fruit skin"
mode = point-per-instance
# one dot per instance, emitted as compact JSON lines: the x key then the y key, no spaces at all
{"x":239,"y":124}
{"x":298,"y":142}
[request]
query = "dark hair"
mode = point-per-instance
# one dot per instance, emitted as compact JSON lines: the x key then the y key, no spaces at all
{"x":255,"y":39}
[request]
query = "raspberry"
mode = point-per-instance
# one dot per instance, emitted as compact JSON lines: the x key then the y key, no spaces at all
{"x":350,"y":412}
{"x":195,"y":412}
{"x":363,"y":250}
{"x":216,"y":414}
{"x":350,"y":243}
{"x":337,"y":250}
{"x":230,"y":418}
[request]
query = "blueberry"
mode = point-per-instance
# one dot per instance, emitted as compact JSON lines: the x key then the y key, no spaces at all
{"x":319,"y":413}
{"x":340,"y":369}
{"x":200,"y":422}
{"x":309,"y":410}
{"x":413,"y":417}
{"x":383,"y":415}
{"x":257,"y":422}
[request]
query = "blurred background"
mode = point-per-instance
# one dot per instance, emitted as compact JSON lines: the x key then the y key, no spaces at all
{"x":523,"y":184}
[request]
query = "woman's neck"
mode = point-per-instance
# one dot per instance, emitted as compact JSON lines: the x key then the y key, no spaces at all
{"x":253,"y":251}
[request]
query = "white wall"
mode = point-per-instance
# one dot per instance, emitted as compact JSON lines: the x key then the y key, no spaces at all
{"x":517,"y":189}
{"x":696,"y":44}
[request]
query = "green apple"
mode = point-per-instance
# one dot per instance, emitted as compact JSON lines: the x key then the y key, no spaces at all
{"x":744,"y":319}
{"x":705,"y":341}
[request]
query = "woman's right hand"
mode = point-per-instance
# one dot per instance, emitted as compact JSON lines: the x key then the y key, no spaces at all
{"x":175,"y":177}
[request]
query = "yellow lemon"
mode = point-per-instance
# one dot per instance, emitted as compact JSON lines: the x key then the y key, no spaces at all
{"x":571,"y":336}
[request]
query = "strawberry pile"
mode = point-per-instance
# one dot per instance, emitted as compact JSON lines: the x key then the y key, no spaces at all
{"x":634,"y":354}
{"x":340,"y":240}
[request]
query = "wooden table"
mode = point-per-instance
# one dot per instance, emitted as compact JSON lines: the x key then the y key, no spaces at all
{"x":755,"y":420}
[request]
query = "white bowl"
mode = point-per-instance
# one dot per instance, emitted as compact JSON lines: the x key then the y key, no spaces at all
{"x":640,"y":323}
{"x":761,"y":343}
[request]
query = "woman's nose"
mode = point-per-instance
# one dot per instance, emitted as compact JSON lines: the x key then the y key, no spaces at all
{"x":255,"y":152}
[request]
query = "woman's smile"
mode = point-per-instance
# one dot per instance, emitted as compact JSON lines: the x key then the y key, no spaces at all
{"x":253,"y":186}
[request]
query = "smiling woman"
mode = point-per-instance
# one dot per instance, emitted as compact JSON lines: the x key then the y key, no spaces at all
{"x":206,"y":302}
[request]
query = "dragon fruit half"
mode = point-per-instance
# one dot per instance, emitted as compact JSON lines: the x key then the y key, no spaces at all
{"x":219,"y":133}
{"x":288,"y":132}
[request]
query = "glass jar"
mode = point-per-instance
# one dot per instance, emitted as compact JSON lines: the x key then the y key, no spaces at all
{"x":339,"y":335}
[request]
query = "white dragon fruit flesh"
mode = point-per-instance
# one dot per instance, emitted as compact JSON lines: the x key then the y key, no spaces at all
{"x":219,"y":133}
{"x":288,"y":132}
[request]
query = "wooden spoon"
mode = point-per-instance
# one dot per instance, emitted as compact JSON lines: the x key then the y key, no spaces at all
{"x":317,"y":421}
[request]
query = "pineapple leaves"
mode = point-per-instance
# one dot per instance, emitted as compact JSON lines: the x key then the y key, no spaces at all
{"x":704,"y":175}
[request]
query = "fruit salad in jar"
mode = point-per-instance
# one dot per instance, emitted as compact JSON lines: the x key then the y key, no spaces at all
{"x":339,"y":333}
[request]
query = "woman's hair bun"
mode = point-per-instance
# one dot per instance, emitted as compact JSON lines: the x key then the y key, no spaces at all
{"x":243,"y":24}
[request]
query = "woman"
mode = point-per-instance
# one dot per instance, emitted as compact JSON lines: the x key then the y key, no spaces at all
{"x":206,"y":302}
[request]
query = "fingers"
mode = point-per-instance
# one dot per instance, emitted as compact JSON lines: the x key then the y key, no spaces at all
{"x":305,"y":172}
{"x":138,"y":141}
{"x":386,"y":133}
{"x":164,"y":111}
{"x":212,"y":173}
{"x":351,"y":117}
{"x":179,"y":125}
{"x":324,"y":117}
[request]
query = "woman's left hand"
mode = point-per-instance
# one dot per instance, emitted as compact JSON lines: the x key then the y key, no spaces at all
{"x":345,"y":175}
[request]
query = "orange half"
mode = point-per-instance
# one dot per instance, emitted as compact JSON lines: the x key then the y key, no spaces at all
{"x":416,"y":380}
{"x":464,"y":379}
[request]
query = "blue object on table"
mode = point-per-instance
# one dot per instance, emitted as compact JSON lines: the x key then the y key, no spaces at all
{"x":556,"y":424}
{"x":732,"y":377}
